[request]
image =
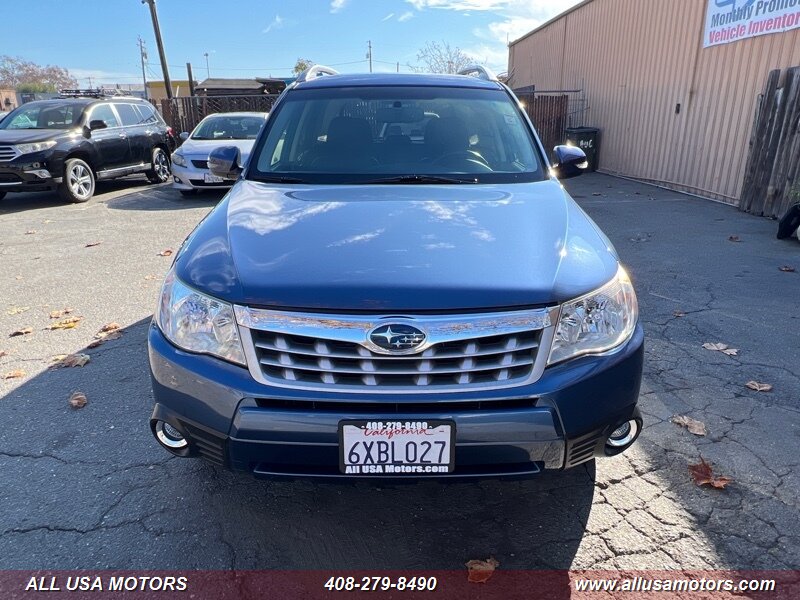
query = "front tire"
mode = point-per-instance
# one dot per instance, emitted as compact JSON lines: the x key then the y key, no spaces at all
{"x":78,"y":184}
{"x":159,"y":167}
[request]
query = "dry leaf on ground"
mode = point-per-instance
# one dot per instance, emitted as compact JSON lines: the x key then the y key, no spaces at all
{"x":3,"y":353}
{"x":70,"y":360}
{"x":694,"y":426}
{"x":480,"y":571}
{"x":759,"y":387}
{"x":149,"y":277}
{"x":678,"y":313}
{"x":92,"y":244}
{"x":109,"y":327}
{"x":731,"y":351}
{"x":57,"y":314}
{"x":787,"y":269}
{"x":16,"y":374}
{"x":23,"y":331}
{"x":31,"y":232}
{"x":15,"y":310}
{"x":703,"y":474}
{"x":166,"y":252}
{"x":78,"y":400}
{"x":102,"y":338}
{"x":70,"y":323}
{"x":734,"y":238}
{"x":717,"y":346}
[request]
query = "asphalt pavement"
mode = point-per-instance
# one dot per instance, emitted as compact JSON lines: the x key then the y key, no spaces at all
{"x":89,"y":488}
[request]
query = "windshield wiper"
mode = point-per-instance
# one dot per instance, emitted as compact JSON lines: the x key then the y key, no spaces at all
{"x":421,"y":179}
{"x":277,"y":179}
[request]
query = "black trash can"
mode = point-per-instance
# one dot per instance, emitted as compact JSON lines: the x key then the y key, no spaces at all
{"x":588,"y":140}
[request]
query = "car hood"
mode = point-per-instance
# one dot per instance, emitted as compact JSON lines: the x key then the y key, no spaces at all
{"x":397,"y":247}
{"x":197,"y":148}
{"x":27,"y":136}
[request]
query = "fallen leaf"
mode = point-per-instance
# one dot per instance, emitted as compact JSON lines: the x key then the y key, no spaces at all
{"x":109,"y":327}
{"x":47,"y":221}
{"x":102,"y":338}
{"x":18,"y":277}
{"x":14,"y":374}
{"x":92,"y":244}
{"x":734,"y":238}
{"x":759,"y":387}
{"x":3,"y":353}
{"x":23,"y":331}
{"x":678,"y":313}
{"x":787,"y":269}
{"x":166,"y":252}
{"x":480,"y":571}
{"x":694,"y":426}
{"x":70,"y":323}
{"x":57,"y":314}
{"x":149,"y":277}
{"x":31,"y":232}
{"x":15,"y":310}
{"x":78,"y":400}
{"x":703,"y":474}
{"x":71,"y":360}
{"x":731,"y":351}
{"x":717,"y":347}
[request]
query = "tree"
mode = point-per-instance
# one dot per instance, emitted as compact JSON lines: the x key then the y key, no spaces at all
{"x":441,"y":57}
{"x":301,"y":65}
{"x":15,"y":71}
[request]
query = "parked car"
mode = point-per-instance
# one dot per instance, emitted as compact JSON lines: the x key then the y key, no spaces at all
{"x":190,"y":162}
{"x":69,"y":143}
{"x":360,"y":306}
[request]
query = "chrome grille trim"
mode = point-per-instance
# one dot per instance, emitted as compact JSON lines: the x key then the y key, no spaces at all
{"x":8,"y":153}
{"x":328,"y":352}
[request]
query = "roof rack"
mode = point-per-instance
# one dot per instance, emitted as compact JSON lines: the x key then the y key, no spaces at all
{"x":92,"y":93}
{"x":315,"y":71}
{"x":480,"y":72}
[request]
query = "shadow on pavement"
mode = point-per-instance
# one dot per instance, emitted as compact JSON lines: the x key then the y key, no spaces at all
{"x":164,"y":198}
{"x":90,"y":488}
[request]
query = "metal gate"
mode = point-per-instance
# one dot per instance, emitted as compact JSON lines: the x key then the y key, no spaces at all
{"x":552,"y":111}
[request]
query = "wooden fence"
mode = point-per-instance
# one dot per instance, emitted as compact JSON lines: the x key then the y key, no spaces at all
{"x":552,"y":112}
{"x":772,"y":175}
{"x":184,"y":113}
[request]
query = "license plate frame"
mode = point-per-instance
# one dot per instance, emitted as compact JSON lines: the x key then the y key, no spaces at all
{"x":397,"y":434}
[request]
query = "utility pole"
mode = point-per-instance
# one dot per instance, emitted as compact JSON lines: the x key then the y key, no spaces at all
{"x":191,"y":78}
{"x":90,"y":82}
{"x":369,"y":54}
{"x":160,"y":44}
{"x":143,"y":55}
{"x":208,"y":70}
{"x":398,"y":66}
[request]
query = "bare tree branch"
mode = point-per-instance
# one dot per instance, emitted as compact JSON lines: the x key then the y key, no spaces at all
{"x":441,"y":57}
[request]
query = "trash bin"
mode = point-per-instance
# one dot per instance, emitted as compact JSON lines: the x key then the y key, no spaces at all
{"x":588,"y":140}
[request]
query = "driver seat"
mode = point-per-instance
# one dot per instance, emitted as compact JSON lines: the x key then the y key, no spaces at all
{"x":446,"y":135}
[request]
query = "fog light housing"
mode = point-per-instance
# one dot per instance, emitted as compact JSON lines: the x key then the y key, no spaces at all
{"x":170,"y":437}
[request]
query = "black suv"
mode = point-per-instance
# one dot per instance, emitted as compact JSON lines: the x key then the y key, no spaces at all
{"x":70,"y":142}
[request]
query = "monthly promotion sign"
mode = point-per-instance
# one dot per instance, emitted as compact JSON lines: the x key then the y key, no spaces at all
{"x":733,"y":20}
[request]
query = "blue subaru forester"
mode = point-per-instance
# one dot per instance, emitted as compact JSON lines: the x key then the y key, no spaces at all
{"x":396,"y":286}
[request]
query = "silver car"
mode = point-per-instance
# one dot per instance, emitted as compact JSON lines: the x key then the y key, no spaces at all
{"x":190,"y":161}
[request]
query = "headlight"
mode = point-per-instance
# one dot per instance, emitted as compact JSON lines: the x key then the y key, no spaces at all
{"x":178,"y":159}
{"x":37,"y":147}
{"x":198,"y":323}
{"x":596,"y":322}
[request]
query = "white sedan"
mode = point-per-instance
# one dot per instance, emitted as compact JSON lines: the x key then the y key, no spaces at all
{"x":190,"y":162}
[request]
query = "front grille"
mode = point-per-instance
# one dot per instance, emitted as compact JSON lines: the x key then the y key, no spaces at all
{"x":390,"y":408}
{"x":307,"y":361}
{"x":8,"y":153}
{"x":200,"y":164}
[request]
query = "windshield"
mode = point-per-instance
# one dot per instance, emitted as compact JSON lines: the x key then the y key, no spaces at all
{"x":228,"y":128}
{"x":50,"y":115}
{"x":397,"y":133}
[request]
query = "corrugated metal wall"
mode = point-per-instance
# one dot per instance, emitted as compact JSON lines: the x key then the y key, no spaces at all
{"x":638,"y":59}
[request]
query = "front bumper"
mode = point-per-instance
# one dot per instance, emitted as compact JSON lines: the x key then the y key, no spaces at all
{"x":560,"y":421}
{"x":192,"y":177}
{"x":29,"y":173}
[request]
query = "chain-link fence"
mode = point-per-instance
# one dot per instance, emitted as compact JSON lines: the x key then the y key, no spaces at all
{"x":184,"y":113}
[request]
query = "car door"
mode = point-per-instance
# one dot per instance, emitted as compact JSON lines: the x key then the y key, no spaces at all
{"x":111,"y":143}
{"x":137,"y":131}
{"x":155,"y":128}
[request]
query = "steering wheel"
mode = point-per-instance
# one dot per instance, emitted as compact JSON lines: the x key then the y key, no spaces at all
{"x":469,"y":156}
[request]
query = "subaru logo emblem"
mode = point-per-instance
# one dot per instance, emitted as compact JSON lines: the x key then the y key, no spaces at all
{"x":397,"y":337}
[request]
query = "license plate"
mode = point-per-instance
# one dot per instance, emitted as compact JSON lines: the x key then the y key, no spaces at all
{"x":396,"y":447}
{"x":209,"y":178}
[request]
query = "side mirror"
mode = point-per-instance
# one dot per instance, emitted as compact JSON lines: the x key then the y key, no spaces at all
{"x":570,"y":162}
{"x":184,"y":135}
{"x":97,"y":124}
{"x":225,"y":162}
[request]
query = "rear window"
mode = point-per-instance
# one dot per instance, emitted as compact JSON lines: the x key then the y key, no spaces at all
{"x":128,"y":114}
{"x":361,"y":134}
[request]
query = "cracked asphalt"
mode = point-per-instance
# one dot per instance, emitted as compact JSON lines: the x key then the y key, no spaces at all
{"x":90,"y":488}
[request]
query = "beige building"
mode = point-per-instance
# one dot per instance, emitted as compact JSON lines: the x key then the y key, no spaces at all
{"x":673,"y":109}
{"x":157,"y":90}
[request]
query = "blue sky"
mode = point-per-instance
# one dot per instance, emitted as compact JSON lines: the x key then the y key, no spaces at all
{"x":246,"y":38}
